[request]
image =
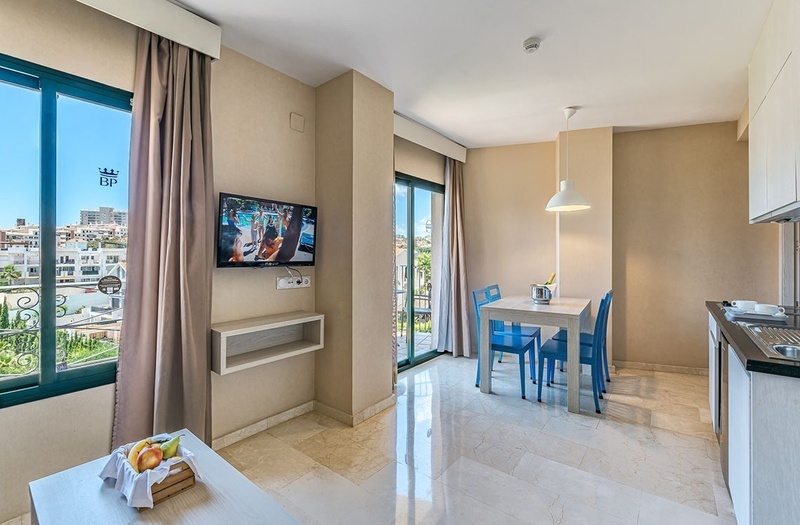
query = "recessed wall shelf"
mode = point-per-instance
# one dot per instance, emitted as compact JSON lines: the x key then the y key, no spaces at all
{"x":238,"y":345}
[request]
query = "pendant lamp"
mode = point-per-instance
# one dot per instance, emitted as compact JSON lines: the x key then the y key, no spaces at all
{"x":568,"y":199}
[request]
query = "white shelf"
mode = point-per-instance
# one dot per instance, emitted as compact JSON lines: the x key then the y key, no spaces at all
{"x":238,"y":345}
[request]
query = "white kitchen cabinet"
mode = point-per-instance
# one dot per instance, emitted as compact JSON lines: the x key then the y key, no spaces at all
{"x":781,"y":176}
{"x":777,"y":41}
{"x":739,"y":457}
{"x":757,"y":144}
{"x":774,"y":120}
{"x":713,"y":371}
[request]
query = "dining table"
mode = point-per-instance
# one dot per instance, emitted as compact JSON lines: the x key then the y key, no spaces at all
{"x":571,"y":313}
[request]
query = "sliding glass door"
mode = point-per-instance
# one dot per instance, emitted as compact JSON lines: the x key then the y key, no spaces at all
{"x":419,"y":210}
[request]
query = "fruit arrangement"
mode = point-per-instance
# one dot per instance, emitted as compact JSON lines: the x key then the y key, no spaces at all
{"x":149,"y":453}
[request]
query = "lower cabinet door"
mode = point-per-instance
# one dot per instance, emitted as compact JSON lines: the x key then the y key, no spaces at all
{"x":739,"y":438}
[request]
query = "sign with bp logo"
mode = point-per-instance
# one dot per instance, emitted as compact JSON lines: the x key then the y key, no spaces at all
{"x":108,"y":177}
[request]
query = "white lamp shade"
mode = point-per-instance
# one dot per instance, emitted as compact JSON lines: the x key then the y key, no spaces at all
{"x":567,"y":199}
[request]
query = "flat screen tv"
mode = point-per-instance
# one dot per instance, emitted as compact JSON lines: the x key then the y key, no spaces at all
{"x":259,"y":232}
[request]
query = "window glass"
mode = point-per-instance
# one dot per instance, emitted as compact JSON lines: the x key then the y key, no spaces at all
{"x":91,"y":229}
{"x":19,"y":233}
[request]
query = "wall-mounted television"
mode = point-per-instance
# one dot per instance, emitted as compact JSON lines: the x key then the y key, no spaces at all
{"x":255,"y":232}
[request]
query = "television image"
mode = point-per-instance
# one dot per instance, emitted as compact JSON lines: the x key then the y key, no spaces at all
{"x":260,"y":232}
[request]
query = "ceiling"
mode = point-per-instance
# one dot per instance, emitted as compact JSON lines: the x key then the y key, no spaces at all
{"x":457,"y":66}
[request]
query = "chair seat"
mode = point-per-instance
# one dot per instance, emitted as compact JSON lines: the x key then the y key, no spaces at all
{"x":586,"y":339}
{"x":558,"y":350}
{"x":514,"y":344}
{"x":524,"y":331}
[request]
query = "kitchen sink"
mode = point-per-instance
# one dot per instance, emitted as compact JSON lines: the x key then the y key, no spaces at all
{"x":789,"y":351}
{"x":777,"y":342}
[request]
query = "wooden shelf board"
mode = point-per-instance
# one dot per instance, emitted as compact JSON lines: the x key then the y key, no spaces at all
{"x":256,"y":324}
{"x":268,"y":355}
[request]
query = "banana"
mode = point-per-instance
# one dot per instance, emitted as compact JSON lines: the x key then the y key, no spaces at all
{"x":133,"y":455}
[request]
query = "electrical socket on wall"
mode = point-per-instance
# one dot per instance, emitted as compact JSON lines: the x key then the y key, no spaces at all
{"x":289,"y":283}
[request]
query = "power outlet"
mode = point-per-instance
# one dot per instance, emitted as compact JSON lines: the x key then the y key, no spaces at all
{"x":290,"y":283}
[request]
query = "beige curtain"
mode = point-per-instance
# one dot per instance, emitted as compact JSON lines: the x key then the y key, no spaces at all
{"x":454,"y":301}
{"x":163,"y":382}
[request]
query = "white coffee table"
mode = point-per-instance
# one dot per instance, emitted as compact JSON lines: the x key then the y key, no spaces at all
{"x":78,"y":495}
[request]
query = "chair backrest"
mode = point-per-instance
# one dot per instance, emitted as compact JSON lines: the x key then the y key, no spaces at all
{"x":493,"y":294}
{"x":609,"y":296}
{"x":599,"y":329}
{"x":481,"y":297}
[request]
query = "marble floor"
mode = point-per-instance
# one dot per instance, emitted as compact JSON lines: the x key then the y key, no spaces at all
{"x":448,"y":454}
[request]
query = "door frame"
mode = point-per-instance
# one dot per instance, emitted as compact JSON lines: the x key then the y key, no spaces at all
{"x":412,"y":183}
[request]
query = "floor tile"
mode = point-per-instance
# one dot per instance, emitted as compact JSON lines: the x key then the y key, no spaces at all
{"x":446,"y":453}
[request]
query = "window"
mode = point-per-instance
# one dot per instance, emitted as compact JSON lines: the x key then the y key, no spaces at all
{"x":64,"y":149}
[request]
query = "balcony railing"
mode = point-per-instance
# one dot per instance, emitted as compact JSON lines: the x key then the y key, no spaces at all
{"x":85,"y":334}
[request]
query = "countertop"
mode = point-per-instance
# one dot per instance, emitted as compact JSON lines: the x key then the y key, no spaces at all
{"x":746,"y":350}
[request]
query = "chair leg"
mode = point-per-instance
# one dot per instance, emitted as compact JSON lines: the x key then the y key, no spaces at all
{"x":532,"y":364}
{"x":596,"y":388}
{"x":522,"y":374}
{"x":478,"y":373}
{"x":500,"y":358}
{"x":541,"y":377}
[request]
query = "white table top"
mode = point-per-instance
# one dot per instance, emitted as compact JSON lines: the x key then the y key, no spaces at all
{"x":78,"y":495}
{"x":564,"y":306}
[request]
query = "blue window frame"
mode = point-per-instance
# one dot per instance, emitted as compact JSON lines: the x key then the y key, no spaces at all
{"x":40,"y":328}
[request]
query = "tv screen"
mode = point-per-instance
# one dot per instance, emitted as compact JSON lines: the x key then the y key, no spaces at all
{"x":260,"y":232}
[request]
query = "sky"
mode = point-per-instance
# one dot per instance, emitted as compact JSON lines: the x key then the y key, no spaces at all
{"x":422,"y":210}
{"x":89,"y":136}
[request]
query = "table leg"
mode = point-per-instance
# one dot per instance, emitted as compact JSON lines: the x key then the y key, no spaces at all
{"x":485,"y":353}
{"x":574,"y":365}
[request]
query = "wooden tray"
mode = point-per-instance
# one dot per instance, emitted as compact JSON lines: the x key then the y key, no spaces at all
{"x":180,"y":478}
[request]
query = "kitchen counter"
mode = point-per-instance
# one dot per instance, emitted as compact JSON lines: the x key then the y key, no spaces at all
{"x":751,"y":357}
{"x":755,"y":410}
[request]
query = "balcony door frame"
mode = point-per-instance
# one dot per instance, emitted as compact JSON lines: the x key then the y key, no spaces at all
{"x":412,"y":183}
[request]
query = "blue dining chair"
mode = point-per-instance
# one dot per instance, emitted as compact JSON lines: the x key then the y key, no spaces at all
{"x":501,"y":328}
{"x":586,"y":338}
{"x":589,"y":355}
{"x":515,"y":344}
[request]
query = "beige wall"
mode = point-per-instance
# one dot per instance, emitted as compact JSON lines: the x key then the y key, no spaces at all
{"x":354,"y":191}
{"x":415,"y":160}
{"x":510,"y":238}
{"x":681,"y":237}
{"x":257,"y":153}
{"x":584,"y":238}
{"x":334,"y":161}
{"x":373,"y":243}
{"x":71,"y":37}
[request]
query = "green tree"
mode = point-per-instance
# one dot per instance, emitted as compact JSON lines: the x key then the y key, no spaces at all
{"x":5,"y":320}
{"x":424,"y":264}
{"x":8,"y":275}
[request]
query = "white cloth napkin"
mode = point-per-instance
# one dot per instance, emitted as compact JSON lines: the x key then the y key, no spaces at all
{"x":136,"y":487}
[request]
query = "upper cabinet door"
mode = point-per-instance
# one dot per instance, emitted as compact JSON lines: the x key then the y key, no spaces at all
{"x":778,"y":38}
{"x":781,"y":145}
{"x":757,"y":144}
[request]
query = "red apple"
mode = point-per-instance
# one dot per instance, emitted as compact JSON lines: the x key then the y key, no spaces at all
{"x":149,"y":457}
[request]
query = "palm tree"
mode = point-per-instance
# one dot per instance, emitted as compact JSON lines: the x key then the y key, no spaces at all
{"x":9,"y":274}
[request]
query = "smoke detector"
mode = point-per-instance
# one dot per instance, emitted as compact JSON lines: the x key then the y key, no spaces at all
{"x":532,"y":44}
